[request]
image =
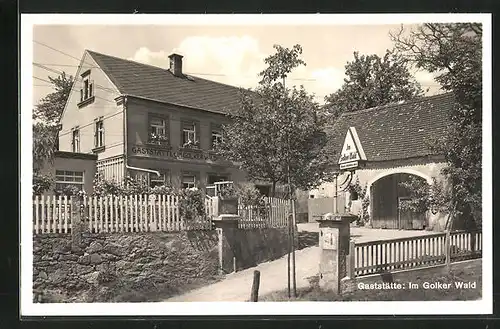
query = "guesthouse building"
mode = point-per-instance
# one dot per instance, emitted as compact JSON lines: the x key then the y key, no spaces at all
{"x":378,"y":149}
{"x":158,"y":125}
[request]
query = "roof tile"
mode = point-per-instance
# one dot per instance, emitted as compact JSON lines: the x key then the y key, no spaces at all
{"x":147,"y":81}
{"x":394,"y":131}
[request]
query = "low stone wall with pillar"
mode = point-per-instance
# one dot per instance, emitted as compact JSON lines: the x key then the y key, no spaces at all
{"x":244,"y":248}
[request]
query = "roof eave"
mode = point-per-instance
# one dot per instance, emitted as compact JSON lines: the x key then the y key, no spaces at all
{"x":171,"y":103}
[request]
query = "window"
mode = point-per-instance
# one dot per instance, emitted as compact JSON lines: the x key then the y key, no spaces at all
{"x":188,"y":181}
{"x":155,"y":180}
{"x":67,"y":179}
{"x":189,"y":138}
{"x":99,"y":133}
{"x":75,"y":141}
{"x":87,"y":90}
{"x":158,"y":130}
{"x":216,"y":137}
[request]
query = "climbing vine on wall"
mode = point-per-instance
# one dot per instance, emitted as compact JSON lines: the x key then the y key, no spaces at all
{"x":356,"y":188}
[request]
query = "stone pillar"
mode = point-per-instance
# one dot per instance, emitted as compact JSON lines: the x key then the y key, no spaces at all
{"x":334,"y":247}
{"x":227,"y":230}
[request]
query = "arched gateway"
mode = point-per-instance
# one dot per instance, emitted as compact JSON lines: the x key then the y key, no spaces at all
{"x":389,"y":204}
{"x":385,"y":147}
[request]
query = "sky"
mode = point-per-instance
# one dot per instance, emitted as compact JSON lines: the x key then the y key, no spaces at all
{"x":229,"y":54}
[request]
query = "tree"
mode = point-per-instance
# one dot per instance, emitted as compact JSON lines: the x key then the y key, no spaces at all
{"x":50,"y":108}
{"x":47,"y":114}
{"x":277,"y":133}
{"x":454,"y":53}
{"x":45,"y":129}
{"x":44,"y":141}
{"x":373,"y":81}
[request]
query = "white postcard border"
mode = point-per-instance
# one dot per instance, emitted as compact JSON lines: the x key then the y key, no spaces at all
{"x":28,"y":308}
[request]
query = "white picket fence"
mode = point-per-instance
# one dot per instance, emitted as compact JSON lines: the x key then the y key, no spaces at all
{"x":274,"y":214}
{"x":138,"y":213}
{"x":145,"y":213}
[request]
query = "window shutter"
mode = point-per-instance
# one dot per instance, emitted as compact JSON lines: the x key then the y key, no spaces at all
{"x":197,"y":134}
{"x":77,"y":148}
{"x":91,"y":89}
{"x":96,"y":144}
{"x":81,"y":95}
{"x":149,"y":128}
{"x":103,"y":132}
{"x":182,"y":133}
{"x":197,"y":131}
{"x":167,"y":127}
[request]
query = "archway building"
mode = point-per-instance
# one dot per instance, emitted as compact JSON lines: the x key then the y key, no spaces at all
{"x":397,"y":141}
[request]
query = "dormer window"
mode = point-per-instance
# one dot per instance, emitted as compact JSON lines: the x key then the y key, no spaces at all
{"x":87,"y":89}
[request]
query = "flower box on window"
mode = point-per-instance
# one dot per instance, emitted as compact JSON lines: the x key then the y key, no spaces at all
{"x":191,"y":144}
{"x":158,"y":139}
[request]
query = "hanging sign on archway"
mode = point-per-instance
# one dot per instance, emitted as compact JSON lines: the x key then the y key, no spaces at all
{"x":352,"y":154}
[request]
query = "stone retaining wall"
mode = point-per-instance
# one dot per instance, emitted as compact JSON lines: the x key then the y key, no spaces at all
{"x":107,"y":264}
{"x":122,"y":267}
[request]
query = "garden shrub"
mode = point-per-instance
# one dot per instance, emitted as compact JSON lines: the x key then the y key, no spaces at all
{"x":41,"y":183}
{"x":191,"y":201}
{"x":191,"y":205}
{"x":250,"y":196}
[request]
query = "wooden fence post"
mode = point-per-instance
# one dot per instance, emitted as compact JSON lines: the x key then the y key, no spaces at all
{"x":351,"y":266}
{"x":76,"y":221}
{"x":254,"y":297}
{"x":447,"y":249}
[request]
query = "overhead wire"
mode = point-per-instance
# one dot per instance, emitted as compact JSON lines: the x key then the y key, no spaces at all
{"x":73,"y":89}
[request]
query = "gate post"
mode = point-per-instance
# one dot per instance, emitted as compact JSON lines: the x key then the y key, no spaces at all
{"x":227,"y":230}
{"x":334,"y":242}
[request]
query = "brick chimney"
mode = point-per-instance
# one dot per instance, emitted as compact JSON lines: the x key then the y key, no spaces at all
{"x":176,"y":64}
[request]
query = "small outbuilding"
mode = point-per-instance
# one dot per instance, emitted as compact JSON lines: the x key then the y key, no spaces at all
{"x":388,"y":145}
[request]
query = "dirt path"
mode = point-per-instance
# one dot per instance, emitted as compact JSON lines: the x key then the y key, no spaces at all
{"x":273,"y":275}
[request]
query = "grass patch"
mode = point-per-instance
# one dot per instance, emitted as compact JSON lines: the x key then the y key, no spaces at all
{"x":121,"y":291}
{"x":465,"y":275}
{"x":159,"y":292}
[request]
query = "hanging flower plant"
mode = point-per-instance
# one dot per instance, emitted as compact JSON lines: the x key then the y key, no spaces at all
{"x":191,"y":144}
{"x":158,"y":139}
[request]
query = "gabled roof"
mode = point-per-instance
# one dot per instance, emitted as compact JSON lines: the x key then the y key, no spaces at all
{"x":159,"y":84}
{"x":394,"y":131}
